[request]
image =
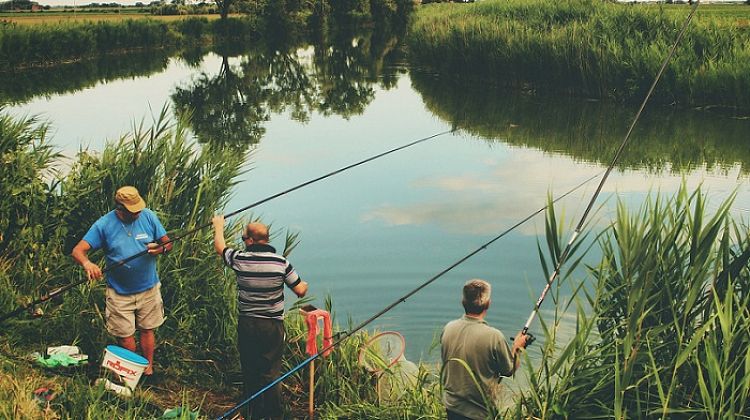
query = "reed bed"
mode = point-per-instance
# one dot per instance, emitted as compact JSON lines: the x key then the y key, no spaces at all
{"x":587,"y":47}
{"x":662,"y":330}
{"x":46,"y":44}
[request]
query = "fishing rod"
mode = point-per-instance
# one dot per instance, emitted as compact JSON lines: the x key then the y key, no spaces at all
{"x":397,"y":302}
{"x":579,"y":227}
{"x":120,"y":263}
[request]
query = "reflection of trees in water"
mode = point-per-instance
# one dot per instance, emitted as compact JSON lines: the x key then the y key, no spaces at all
{"x":665,"y":138}
{"x":335,"y":77}
{"x":223,"y":108}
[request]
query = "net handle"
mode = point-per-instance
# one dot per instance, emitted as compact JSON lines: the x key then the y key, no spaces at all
{"x":376,"y":337}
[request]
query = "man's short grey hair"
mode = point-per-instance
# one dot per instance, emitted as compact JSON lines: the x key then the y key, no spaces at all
{"x":476,"y":296}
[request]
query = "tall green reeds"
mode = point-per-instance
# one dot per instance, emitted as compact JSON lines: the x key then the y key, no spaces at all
{"x":589,"y":47}
{"x":23,"y":46}
{"x":656,"y":333}
{"x":45,"y":216}
{"x":345,"y":389}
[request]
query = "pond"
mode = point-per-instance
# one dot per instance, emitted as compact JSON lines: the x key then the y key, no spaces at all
{"x":373,"y":233}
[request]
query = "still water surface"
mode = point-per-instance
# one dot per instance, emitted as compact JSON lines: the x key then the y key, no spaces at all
{"x":372,"y":234}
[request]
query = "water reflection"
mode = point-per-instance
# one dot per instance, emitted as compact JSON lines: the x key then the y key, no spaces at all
{"x":331,"y":78}
{"x":71,"y":77}
{"x":664,"y":139}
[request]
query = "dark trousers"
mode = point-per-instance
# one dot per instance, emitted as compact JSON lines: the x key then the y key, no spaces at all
{"x":261,"y":344}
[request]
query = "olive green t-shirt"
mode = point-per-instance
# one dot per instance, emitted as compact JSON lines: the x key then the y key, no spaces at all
{"x":486,"y":351}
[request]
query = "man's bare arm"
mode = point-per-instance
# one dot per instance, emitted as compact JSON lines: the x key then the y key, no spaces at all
{"x":80,"y":255}
{"x":300,"y":289}
{"x":219,"y":242}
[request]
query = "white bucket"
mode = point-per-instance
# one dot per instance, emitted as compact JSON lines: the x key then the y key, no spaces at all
{"x":128,"y":366}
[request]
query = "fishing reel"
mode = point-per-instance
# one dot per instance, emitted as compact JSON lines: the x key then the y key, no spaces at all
{"x":530,"y":338}
{"x":54,"y":297}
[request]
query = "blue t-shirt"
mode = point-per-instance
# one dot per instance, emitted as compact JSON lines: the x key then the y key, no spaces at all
{"x":121,"y":240}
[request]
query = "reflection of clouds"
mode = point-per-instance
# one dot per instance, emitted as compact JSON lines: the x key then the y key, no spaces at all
{"x":482,"y":200}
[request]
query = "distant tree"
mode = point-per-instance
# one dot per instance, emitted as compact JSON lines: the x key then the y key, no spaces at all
{"x":223,"y":7}
{"x":17,"y":5}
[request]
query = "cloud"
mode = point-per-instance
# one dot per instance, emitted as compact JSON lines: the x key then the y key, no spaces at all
{"x":483,"y":200}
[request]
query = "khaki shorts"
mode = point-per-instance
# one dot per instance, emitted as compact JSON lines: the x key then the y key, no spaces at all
{"x":125,"y":313}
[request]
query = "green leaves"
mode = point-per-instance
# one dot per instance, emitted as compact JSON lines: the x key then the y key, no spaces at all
{"x":667,"y":342}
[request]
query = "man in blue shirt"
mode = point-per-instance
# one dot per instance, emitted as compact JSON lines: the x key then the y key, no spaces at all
{"x":133,"y":289}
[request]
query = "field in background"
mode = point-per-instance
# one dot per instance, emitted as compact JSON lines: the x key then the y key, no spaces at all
{"x":42,"y":18}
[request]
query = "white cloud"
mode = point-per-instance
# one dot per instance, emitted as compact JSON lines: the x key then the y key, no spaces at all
{"x":479,"y":202}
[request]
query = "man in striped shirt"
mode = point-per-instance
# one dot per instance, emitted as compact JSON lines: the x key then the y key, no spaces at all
{"x":261,"y":276}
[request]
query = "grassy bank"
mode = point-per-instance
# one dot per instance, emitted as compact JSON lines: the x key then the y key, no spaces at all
{"x":23,"y":46}
{"x":590,"y":48}
{"x":48,"y":18}
{"x":56,"y":42}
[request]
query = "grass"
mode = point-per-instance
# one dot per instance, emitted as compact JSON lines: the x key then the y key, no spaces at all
{"x":56,"y":18}
{"x":589,"y":48}
{"x":662,"y":329}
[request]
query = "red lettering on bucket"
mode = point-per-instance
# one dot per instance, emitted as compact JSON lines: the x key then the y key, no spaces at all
{"x":117,"y":367}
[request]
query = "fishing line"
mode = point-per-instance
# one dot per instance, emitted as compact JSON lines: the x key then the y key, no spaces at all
{"x":400,"y":300}
{"x":228,"y":215}
{"x":611,"y":166}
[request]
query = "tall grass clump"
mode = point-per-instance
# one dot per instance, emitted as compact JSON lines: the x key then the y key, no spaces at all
{"x":345,"y":389}
{"x":663,"y":328}
{"x":587,"y":47}
{"x":184,"y":184}
{"x":24,"y":46}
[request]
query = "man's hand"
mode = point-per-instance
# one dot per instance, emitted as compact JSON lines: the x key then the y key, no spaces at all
{"x":218,"y":222}
{"x":300,"y":289}
{"x":520,"y":342}
{"x":155,"y":249}
{"x":93,"y":272}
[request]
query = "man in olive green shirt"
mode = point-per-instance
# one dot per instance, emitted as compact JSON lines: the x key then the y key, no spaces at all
{"x":483,"y":348}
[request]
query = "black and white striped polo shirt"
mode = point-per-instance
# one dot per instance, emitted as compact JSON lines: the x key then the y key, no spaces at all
{"x":261,"y":275}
